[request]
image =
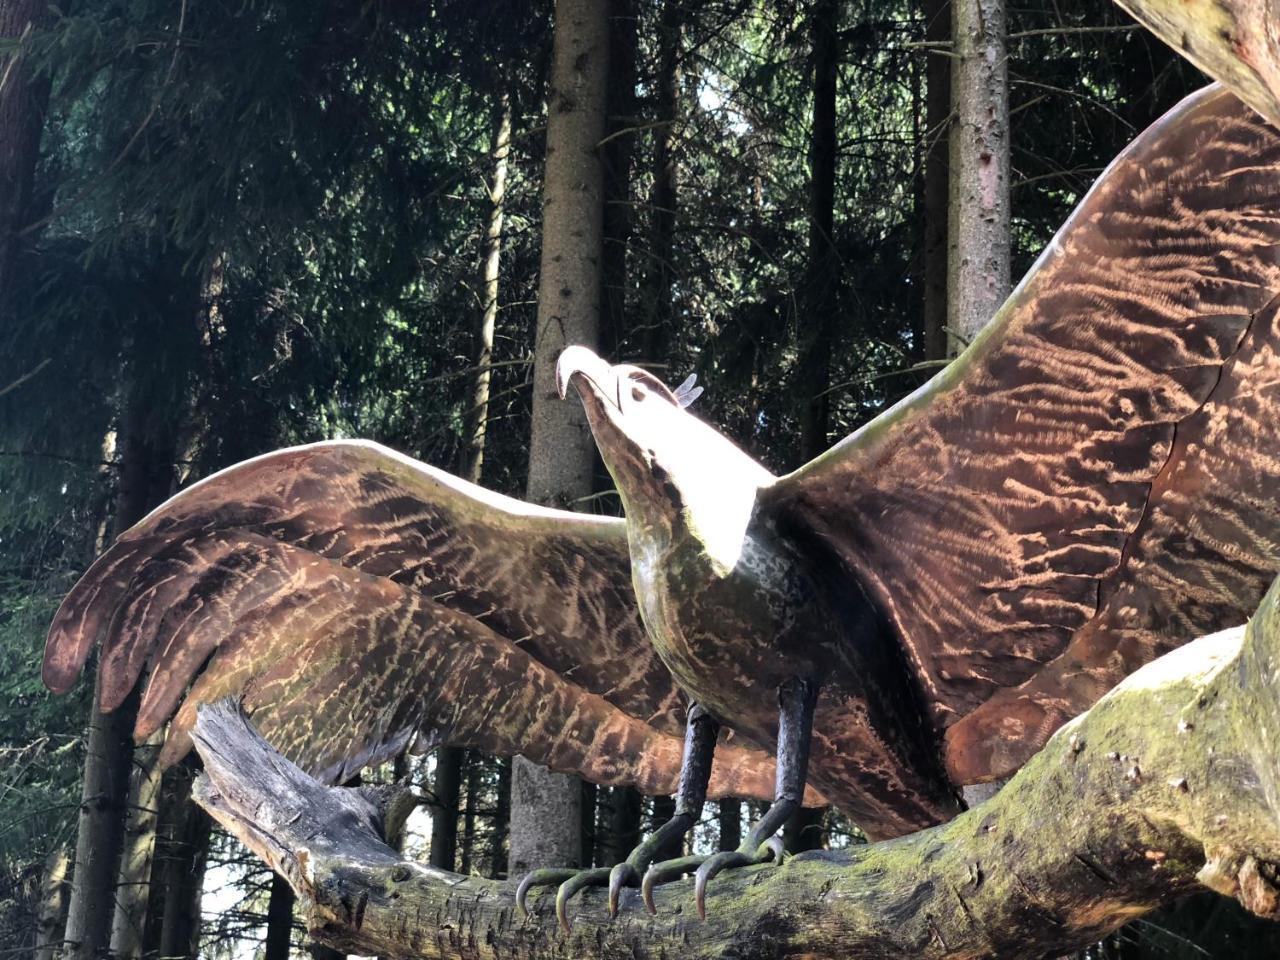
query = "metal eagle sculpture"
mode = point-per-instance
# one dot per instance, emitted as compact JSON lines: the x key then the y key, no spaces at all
{"x":1090,"y":484}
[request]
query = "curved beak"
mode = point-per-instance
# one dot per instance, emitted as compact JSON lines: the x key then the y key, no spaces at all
{"x":580,"y":362}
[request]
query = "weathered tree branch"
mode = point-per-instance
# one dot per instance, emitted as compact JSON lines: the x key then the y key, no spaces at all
{"x":1172,"y":780}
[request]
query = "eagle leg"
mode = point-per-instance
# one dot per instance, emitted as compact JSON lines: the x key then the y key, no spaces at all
{"x":796,"y":701}
{"x":701,"y":730}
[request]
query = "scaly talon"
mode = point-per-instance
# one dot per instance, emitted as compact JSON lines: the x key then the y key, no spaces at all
{"x":546,"y":877}
{"x":622,"y":875}
{"x":665,"y":872}
{"x":724,"y":861}
{"x":596,"y":877}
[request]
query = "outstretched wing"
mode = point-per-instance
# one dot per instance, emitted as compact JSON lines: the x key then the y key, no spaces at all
{"x":1095,"y":477}
{"x":359,"y":600}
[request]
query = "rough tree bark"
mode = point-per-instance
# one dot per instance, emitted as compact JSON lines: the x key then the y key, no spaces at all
{"x":53,"y":905}
{"x":978,"y":222}
{"x":1171,"y":781}
{"x":182,"y":848}
{"x":546,"y":808}
{"x":129,"y":923}
{"x":622,"y":829}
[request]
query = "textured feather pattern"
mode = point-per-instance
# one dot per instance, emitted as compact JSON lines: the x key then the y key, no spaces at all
{"x":358,"y":601}
{"x":1092,"y":473}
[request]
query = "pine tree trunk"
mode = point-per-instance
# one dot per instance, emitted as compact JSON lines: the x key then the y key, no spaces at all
{"x":979,"y":228}
{"x":53,"y":905}
{"x":729,"y":816}
{"x":821,"y":277}
{"x":178,"y":869}
{"x":447,"y":789}
{"x":182,"y":849}
{"x":471,"y":805}
{"x":279,"y":920}
{"x":129,"y":924}
{"x":937,"y":14}
{"x":665,"y":197}
{"x":501,"y":820}
{"x":146,"y":479}
{"x":546,"y":807}
{"x":478,"y":413}
{"x":621,"y":832}
{"x":618,"y":157}
{"x":23,"y":99}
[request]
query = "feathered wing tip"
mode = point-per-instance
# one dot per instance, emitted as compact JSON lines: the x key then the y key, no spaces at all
{"x":354,"y":599}
{"x":1094,"y":479}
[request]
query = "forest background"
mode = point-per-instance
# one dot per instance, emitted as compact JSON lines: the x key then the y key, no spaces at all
{"x":230,"y":227}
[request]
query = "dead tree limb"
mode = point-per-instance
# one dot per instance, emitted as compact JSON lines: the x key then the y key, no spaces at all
{"x":1171,"y":781}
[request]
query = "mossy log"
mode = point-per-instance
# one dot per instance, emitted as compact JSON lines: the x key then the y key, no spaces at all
{"x":1170,"y":782}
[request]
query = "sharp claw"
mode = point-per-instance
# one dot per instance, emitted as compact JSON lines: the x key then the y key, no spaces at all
{"x":522,"y":891}
{"x":665,"y":872}
{"x":646,"y":892}
{"x":539,"y":878}
{"x":714,"y":864}
{"x":727,"y":860}
{"x":622,"y":875}
{"x":578,"y":881}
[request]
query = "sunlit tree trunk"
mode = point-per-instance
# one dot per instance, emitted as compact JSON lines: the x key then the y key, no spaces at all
{"x":546,"y":807}
{"x":478,"y":412}
{"x":979,"y":226}
{"x":53,"y":905}
{"x":128,"y":926}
